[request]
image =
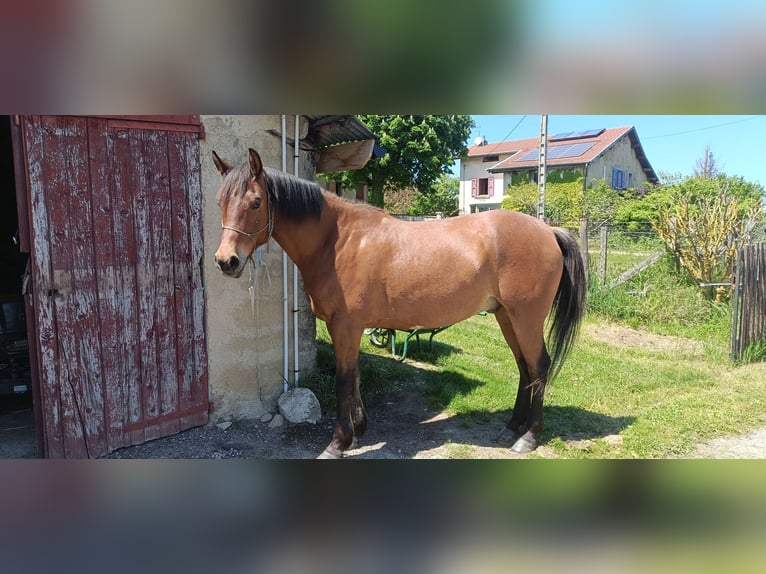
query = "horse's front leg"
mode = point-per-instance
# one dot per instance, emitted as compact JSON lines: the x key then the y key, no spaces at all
{"x":351,"y":418}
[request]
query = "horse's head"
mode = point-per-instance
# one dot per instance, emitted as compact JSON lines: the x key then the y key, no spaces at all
{"x":246,"y":217}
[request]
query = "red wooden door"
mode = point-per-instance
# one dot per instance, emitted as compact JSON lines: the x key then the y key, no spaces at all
{"x":116,"y":252}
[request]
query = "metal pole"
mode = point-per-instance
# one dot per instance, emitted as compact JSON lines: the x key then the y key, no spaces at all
{"x":542,"y":171}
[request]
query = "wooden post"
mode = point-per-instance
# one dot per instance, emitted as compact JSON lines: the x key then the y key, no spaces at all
{"x":602,"y":254}
{"x":584,"y":242}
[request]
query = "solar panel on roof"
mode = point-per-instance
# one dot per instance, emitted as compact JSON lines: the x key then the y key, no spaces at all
{"x":559,"y":151}
{"x":530,"y":155}
{"x":577,"y":135}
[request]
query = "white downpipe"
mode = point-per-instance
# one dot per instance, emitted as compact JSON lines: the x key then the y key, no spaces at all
{"x":285,"y":323}
{"x":296,"y":358}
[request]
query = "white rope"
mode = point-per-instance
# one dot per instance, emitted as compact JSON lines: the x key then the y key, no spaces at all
{"x":256,"y":263}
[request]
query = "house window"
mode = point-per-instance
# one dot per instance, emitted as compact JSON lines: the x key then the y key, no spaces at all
{"x":487,"y":158}
{"x":483,"y":187}
{"x":618,"y":178}
{"x":630,"y":180}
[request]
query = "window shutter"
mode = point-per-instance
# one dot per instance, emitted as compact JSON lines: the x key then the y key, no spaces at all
{"x":474,"y":187}
{"x":615,"y":177}
{"x":491,"y":186}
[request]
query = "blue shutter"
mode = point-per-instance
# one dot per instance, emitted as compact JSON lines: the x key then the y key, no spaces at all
{"x":615,"y":177}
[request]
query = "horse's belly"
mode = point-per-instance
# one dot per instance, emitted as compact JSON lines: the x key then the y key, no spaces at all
{"x":432,"y":310}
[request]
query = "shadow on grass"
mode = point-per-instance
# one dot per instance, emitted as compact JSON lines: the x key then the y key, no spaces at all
{"x":405,"y":405}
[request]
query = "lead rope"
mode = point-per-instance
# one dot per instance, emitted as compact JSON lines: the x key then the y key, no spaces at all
{"x":256,"y":263}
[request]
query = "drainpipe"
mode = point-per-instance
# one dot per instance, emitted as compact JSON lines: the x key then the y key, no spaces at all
{"x":296,"y":359}
{"x":285,"y":341}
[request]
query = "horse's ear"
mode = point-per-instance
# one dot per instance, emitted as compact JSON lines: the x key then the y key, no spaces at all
{"x":221,"y":165}
{"x":256,"y":165}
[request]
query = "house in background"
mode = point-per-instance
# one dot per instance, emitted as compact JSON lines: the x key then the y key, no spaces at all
{"x":612,"y":154}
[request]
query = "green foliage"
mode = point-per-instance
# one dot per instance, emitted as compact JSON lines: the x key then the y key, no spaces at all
{"x":566,"y":200}
{"x":419,"y":149}
{"x":637,"y":214}
{"x":442,"y":199}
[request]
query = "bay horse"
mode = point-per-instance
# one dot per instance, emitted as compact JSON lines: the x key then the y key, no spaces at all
{"x":364,"y":268}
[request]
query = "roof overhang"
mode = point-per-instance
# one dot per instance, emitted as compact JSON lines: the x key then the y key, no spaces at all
{"x":340,"y":143}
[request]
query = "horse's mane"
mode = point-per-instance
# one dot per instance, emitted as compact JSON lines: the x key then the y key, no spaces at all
{"x":292,"y":197}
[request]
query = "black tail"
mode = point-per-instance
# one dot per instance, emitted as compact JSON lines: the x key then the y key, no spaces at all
{"x":569,"y":304}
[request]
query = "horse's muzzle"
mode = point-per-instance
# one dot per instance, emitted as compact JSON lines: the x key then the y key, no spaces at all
{"x":231,"y":266}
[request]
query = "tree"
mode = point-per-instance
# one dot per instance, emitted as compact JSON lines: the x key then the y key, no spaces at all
{"x":705,"y":166}
{"x":443,"y":198}
{"x":419,"y":149}
{"x":704,"y":224}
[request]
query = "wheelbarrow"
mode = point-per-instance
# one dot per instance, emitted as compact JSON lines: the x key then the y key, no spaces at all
{"x":382,"y":337}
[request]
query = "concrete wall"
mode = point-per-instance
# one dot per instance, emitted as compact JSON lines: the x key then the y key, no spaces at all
{"x":245,"y":349}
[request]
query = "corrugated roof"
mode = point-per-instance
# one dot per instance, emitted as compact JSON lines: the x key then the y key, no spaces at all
{"x":330,"y":130}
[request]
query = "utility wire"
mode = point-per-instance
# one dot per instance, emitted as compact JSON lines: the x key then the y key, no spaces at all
{"x":704,"y":128}
{"x":513,"y":129}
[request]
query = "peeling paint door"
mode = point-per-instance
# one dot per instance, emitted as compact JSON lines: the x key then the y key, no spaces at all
{"x":116,"y":255}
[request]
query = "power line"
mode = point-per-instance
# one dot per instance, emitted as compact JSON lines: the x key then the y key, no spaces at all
{"x":513,"y":129}
{"x":704,"y":128}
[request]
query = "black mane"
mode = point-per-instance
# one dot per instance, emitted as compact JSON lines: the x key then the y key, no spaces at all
{"x":292,"y":197}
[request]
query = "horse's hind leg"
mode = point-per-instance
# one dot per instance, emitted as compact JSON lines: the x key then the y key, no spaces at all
{"x":528,"y":346}
{"x":523,"y":395}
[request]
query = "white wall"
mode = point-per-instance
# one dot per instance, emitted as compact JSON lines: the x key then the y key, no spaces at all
{"x":475,"y":168}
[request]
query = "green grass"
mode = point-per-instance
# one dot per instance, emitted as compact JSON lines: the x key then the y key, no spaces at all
{"x":661,"y":402}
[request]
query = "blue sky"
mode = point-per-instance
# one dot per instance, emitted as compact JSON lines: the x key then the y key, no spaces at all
{"x":673,"y":144}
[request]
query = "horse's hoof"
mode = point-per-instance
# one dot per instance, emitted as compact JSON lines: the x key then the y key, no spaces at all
{"x":506,"y":435}
{"x":330,"y":453}
{"x":525,"y":444}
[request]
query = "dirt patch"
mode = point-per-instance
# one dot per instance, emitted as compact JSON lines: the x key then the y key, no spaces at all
{"x":752,"y":445}
{"x":633,"y":338}
{"x":401,"y":425}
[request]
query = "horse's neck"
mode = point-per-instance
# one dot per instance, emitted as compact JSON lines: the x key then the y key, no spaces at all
{"x":302,"y":240}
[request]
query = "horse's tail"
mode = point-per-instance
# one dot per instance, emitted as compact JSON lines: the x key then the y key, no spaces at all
{"x":569,"y":304}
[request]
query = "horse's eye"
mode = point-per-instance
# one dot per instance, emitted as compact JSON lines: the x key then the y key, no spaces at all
{"x":256,"y":204}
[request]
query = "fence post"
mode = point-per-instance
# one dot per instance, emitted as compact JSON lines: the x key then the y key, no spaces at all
{"x":584,"y":242}
{"x":735,"y":306}
{"x":602,"y":254}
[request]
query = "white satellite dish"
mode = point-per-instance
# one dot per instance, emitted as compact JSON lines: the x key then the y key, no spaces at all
{"x":480,"y":140}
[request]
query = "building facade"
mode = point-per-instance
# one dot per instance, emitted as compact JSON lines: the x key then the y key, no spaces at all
{"x":612,"y":154}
